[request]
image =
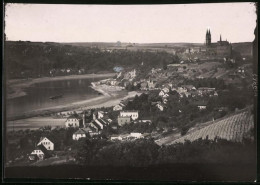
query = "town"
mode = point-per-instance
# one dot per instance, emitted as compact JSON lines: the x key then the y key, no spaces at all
{"x":204,"y":84}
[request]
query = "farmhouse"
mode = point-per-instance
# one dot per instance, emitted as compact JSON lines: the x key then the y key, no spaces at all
{"x":39,"y":153}
{"x":46,"y":143}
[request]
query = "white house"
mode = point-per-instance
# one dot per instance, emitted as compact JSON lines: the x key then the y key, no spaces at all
{"x":118,"y":107}
{"x":161,"y":93}
{"x":116,"y":137}
{"x":165,"y":95}
{"x":79,"y":134}
{"x":40,"y":152}
{"x":73,"y":121}
{"x":165,"y":90}
{"x":100,"y":114}
{"x":133,"y":114}
{"x":46,"y":143}
{"x":165,"y":101}
{"x":135,"y":135}
{"x":160,"y":106}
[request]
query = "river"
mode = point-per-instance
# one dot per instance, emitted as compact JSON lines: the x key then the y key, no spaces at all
{"x":38,"y":95}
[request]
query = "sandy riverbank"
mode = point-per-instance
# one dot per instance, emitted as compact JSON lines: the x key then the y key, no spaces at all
{"x":17,"y":85}
{"x":35,"y":119}
{"x":101,"y":101}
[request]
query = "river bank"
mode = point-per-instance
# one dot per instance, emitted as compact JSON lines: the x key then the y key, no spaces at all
{"x":41,"y":117}
{"x":16,"y":86}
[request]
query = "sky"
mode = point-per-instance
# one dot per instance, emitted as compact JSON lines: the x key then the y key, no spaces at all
{"x":130,"y":23}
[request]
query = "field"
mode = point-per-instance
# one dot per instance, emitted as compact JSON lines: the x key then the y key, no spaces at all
{"x":233,"y":128}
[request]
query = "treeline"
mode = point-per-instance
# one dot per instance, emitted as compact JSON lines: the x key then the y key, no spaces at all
{"x":28,"y":59}
{"x":144,"y":152}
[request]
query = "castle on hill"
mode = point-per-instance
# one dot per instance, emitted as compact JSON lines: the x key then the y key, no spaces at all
{"x":218,"y":49}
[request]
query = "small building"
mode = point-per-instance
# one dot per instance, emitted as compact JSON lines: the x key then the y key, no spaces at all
{"x":73,"y":121}
{"x":202,"y":105}
{"x":39,"y":153}
{"x":116,"y":137}
{"x":123,"y":120}
{"x":160,"y":106}
{"x":100,"y":114}
{"x":161,"y":93}
{"x":132,"y":114}
{"x":134,"y":135}
{"x":165,"y":95}
{"x":118,"y":107}
{"x":46,"y":143}
{"x":144,"y":85}
{"x":81,"y":133}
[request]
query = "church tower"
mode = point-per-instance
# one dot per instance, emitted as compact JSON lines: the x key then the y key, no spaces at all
{"x":208,"y":38}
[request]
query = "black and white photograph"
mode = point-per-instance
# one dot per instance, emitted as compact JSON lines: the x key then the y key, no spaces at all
{"x":130,"y":92}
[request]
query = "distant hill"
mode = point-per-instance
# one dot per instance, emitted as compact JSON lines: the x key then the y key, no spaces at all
{"x":231,"y":128}
{"x":25,"y":59}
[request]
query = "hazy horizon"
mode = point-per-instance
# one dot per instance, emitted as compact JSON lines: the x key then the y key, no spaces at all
{"x":142,"y":24}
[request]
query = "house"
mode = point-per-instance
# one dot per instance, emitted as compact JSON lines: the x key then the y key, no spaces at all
{"x":92,"y":130}
{"x":79,"y":134}
{"x":39,"y":153}
{"x":100,"y":114}
{"x":135,"y":135}
{"x":144,"y":85}
{"x":161,"y":93}
{"x":201,"y":104}
{"x":165,"y":95}
{"x":98,"y":123}
{"x":203,"y":90}
{"x":165,"y":101}
{"x":118,"y":107}
{"x":150,"y":84}
{"x":73,"y":121}
{"x":113,"y":82}
{"x":116,"y":137}
{"x":160,"y":106}
{"x":166,"y":90}
{"x":132,"y":114}
{"x":122,"y":120}
{"x":46,"y":143}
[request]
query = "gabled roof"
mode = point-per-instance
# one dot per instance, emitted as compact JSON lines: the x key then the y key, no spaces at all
{"x":42,"y":138}
{"x":102,"y":121}
{"x":80,"y":131}
{"x":43,"y":149}
{"x":74,"y":116}
{"x":96,"y":125}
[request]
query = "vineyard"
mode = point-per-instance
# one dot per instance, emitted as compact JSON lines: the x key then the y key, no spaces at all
{"x":233,"y":128}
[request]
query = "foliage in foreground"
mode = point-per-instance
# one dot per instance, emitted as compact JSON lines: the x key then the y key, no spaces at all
{"x":143,"y":152}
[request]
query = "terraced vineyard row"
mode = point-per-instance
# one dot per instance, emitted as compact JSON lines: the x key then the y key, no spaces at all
{"x":232,"y":128}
